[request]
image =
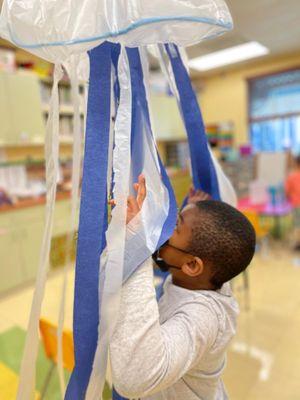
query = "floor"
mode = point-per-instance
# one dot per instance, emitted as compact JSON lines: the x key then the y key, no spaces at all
{"x":264,"y":358}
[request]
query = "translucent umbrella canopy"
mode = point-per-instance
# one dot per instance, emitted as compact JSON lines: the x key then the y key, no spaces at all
{"x":56,"y":29}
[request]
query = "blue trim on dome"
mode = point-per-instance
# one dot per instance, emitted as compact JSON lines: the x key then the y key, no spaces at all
{"x":145,"y":21}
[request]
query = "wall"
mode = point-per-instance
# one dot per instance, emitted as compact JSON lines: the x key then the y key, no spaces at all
{"x":225,"y":95}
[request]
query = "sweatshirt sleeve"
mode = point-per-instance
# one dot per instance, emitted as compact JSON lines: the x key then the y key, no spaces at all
{"x":147,"y":357}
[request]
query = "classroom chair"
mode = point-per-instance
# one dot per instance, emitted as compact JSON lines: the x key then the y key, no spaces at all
{"x":49,"y":340}
{"x":262,"y":235}
{"x":262,"y":230}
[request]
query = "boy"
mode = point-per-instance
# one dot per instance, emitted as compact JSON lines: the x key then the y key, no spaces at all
{"x":292,"y":188}
{"x":176,"y":350}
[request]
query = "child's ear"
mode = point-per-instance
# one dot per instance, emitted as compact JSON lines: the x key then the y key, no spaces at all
{"x":194,"y":267}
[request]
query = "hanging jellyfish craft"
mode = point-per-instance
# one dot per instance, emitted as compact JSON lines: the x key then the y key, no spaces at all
{"x":105,"y":43}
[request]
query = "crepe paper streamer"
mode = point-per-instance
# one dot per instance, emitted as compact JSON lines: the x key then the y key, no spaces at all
{"x":221,"y":187}
{"x":28,"y":368}
{"x":93,"y":221}
{"x":204,"y":174}
{"x":110,"y":289}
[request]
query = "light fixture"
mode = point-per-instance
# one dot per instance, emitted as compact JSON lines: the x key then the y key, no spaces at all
{"x":228,"y":56}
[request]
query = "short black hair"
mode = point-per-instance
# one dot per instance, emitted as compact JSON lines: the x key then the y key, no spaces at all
{"x":223,"y":238}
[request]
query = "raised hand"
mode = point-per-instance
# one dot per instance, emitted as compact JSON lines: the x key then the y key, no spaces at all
{"x":135,"y":203}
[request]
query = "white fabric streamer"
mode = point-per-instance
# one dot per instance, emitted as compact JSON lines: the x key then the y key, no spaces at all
{"x":111,"y":291}
{"x":28,"y":367}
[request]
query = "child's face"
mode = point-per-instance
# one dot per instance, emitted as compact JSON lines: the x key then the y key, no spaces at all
{"x":180,"y":238}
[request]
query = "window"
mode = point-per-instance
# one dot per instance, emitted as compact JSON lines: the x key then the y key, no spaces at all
{"x":275,"y":112}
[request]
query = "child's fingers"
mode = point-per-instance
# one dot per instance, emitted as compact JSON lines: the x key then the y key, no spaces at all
{"x":132,"y":204}
{"x":136,"y":186}
{"x":142,"y":191}
{"x":112,"y":202}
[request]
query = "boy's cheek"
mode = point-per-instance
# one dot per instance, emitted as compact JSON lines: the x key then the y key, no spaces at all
{"x":164,"y":253}
{"x":168,"y":256}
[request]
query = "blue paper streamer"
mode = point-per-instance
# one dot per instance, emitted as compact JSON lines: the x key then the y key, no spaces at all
{"x":203,"y":170}
{"x":93,"y":221}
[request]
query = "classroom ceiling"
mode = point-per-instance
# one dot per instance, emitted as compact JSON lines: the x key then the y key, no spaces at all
{"x":273,"y":23}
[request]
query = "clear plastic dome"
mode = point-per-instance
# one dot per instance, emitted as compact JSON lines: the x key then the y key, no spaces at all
{"x":56,"y":29}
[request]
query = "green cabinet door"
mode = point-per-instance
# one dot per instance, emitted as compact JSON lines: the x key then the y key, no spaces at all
{"x":30,"y":238}
{"x":11,"y":272}
{"x":5,"y":115}
{"x":21,"y":235}
{"x":30,"y":225}
{"x":24,"y":102}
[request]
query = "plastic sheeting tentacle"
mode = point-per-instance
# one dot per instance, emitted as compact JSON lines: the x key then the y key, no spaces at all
{"x":27,"y":373}
{"x":76,"y":164}
{"x":143,"y":147}
{"x":142,"y":117}
{"x":93,"y":220}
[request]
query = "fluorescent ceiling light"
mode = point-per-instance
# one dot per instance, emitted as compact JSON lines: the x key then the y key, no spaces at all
{"x":228,"y":56}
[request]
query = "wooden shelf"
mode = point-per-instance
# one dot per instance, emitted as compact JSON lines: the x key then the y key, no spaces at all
{"x":32,"y":202}
{"x":64,"y":109}
{"x":48,"y":80}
